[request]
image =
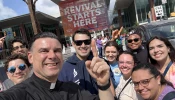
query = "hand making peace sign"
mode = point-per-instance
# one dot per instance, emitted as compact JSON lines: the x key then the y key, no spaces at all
{"x":2,"y":42}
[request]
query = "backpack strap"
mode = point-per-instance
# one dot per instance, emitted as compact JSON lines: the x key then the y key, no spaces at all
{"x":169,"y":96}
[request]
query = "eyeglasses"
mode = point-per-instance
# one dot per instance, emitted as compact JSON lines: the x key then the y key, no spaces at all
{"x":135,"y":40}
{"x":80,"y":42}
{"x":17,"y":47}
{"x":144,"y":82}
{"x":12,"y":69}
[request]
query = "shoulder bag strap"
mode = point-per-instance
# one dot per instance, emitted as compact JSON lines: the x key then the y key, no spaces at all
{"x":124,"y":88}
{"x":169,"y":96}
{"x":167,"y":68}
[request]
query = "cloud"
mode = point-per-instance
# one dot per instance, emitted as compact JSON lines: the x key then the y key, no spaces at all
{"x":6,"y":12}
{"x":48,"y":7}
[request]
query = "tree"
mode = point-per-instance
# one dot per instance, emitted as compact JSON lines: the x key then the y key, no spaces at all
{"x":31,"y":6}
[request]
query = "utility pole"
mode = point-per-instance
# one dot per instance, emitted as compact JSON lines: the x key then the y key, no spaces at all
{"x":31,"y":6}
{"x":152,"y":10}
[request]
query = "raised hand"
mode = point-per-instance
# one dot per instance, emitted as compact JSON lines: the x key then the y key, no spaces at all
{"x":116,"y":33}
{"x":94,"y":49}
{"x":98,"y":68}
{"x":2,"y":42}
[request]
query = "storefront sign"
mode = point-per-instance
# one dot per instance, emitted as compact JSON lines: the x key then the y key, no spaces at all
{"x":159,"y":11}
{"x":89,"y":14}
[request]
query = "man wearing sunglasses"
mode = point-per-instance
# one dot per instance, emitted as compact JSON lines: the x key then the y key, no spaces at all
{"x":18,"y":46}
{"x":17,"y":68}
{"x":45,"y":54}
{"x":134,"y":43}
{"x":74,"y":69}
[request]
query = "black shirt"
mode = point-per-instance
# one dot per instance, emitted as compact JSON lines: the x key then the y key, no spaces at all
{"x":35,"y":88}
{"x":141,"y":55}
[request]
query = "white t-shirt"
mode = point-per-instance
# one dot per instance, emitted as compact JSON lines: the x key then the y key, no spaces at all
{"x":128,"y":93}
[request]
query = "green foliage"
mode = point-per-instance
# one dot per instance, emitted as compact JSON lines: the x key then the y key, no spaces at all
{"x":124,"y":31}
{"x":135,"y":25}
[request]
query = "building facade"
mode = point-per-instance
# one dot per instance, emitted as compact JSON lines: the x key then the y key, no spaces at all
{"x":140,"y":11}
{"x":21,"y":26}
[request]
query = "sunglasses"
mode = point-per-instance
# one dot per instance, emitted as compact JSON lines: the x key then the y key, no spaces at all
{"x":135,"y":40}
{"x":80,"y":42}
{"x":17,"y":47}
{"x":12,"y":69}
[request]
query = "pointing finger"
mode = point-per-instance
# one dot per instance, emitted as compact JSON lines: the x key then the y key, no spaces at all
{"x":94,"y":49}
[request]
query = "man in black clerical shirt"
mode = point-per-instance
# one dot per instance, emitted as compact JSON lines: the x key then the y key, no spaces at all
{"x":45,"y":54}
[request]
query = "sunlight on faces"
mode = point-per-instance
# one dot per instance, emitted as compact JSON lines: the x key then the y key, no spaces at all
{"x":46,"y":57}
{"x":83,"y":50}
{"x":158,"y":50}
{"x":111,"y":53}
{"x":20,"y":50}
{"x":152,"y":89}
{"x":126,"y":64}
{"x":134,"y":45}
{"x":18,"y":76}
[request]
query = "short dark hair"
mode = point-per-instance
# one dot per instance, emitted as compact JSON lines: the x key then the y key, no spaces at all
{"x":16,"y":39}
{"x":134,"y":31}
{"x":42,"y":35}
{"x":152,"y":70}
{"x":14,"y":57}
{"x":112,"y":43}
{"x":81,"y":31}
{"x":129,"y":53}
{"x":167,"y":43}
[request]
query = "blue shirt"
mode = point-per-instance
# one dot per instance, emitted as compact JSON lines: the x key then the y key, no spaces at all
{"x":116,"y":73}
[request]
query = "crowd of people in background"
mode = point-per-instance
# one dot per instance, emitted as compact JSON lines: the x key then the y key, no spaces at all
{"x":120,"y":67}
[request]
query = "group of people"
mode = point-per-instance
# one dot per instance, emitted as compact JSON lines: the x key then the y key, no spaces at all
{"x":142,"y":72}
{"x":149,"y":67}
{"x":46,"y":59}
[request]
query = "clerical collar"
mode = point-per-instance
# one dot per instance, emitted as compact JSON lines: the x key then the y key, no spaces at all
{"x":43,"y":83}
{"x":52,"y":85}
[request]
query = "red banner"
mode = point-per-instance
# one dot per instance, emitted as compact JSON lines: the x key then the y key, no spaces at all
{"x":89,"y":14}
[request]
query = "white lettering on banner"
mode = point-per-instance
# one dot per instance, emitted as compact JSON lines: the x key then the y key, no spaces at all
{"x":84,"y":14}
{"x":84,"y":22}
{"x":89,"y":6}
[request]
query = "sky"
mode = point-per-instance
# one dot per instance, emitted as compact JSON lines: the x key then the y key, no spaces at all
{"x":12,"y":8}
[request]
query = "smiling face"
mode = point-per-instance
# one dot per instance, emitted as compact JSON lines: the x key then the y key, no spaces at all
{"x":151,"y":89}
{"x":158,"y":50}
{"x":134,"y":41}
{"x":46,"y":57}
{"x":126,"y":64}
{"x":83,"y":50}
{"x":111,"y":53}
{"x":19,"y":48}
{"x":19,"y":75}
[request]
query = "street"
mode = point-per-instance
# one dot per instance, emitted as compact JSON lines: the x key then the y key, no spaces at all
{"x":68,"y":52}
